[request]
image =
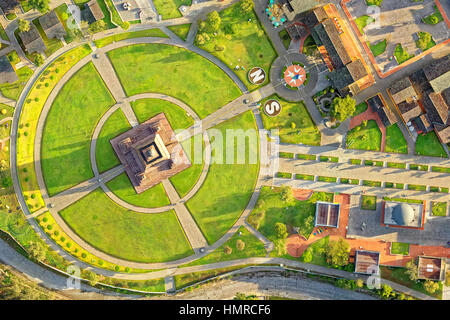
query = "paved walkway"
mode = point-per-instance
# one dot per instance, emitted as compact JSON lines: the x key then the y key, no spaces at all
{"x":7,"y":101}
{"x":192,"y":231}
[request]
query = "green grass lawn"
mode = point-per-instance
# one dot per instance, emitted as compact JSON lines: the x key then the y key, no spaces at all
{"x":369,"y":203}
{"x":305,"y":130}
{"x":29,"y":116}
{"x":175,"y":72}
{"x":253,"y":248}
{"x":13,"y":57}
{"x":439,"y":208}
{"x":365,"y":137}
{"x":186,"y":179}
{"x":398,"y":165}
{"x":318,"y":251}
{"x":148,"y":108}
{"x":286,"y":175}
{"x":115,"y":17}
{"x":3,"y":35}
{"x":401,"y":55}
{"x":400,"y":248}
{"x":378,"y":48}
{"x":284,"y":36}
{"x":69,"y":127}
{"x":395,"y":141}
{"x":440,"y":169}
{"x":429,"y":145}
{"x":360,"y":108}
{"x":400,"y":276}
{"x":130,"y":35}
{"x":363,"y":21}
{"x":181,"y":30}
{"x":125,"y":234}
{"x":221,"y":199}
{"x":151,"y":198}
{"x":295,"y":213}
{"x":169,"y":8}
{"x":13,"y":90}
{"x":245,"y":43}
{"x":9,"y":111}
{"x":116,"y":124}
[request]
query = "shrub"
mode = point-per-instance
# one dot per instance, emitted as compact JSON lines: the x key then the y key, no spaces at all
{"x":56,"y":233}
{"x":255,"y":218}
{"x":307,"y":255}
{"x":45,"y":219}
{"x":83,"y":255}
{"x":240,"y":245}
{"x":63,"y":239}
{"x":49,"y":227}
{"x":227,"y":250}
{"x":431,"y":286}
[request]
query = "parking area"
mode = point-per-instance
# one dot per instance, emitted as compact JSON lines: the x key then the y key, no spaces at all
{"x":397,"y":22}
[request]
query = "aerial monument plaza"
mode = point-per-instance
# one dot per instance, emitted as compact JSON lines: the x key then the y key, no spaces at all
{"x":121,"y":148}
{"x":150,"y":153}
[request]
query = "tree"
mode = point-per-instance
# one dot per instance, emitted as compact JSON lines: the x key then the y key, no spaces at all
{"x":240,"y":245}
{"x":24,"y":25}
{"x":39,"y":60}
{"x":342,"y":108}
{"x":307,"y":255}
{"x":212,"y":22}
{"x":287,"y":194}
{"x":337,"y":252}
{"x":281,"y":230}
{"x":431,"y":286}
{"x":227,"y":250}
{"x":424,"y":40}
{"x":359,"y":283}
{"x":246,"y":6}
{"x":6,"y":182}
{"x":40,"y":5}
{"x":386,"y":291}
{"x":97,"y":26}
{"x":200,"y":39}
{"x":411,"y":270}
{"x":36,"y":251}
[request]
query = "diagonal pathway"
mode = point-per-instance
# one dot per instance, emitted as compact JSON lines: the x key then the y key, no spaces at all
{"x":192,"y":231}
{"x":109,"y":76}
{"x":69,"y":196}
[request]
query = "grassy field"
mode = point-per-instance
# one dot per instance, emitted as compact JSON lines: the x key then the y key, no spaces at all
{"x":54,"y":231}
{"x":253,"y":248}
{"x":365,"y":137}
{"x":294,"y":212}
{"x":429,"y":145}
{"x":439,"y":208}
{"x":168,"y":9}
{"x":318,"y":251}
{"x":245,"y":43}
{"x":151,"y":198}
{"x":166,"y":69}
{"x":399,"y":275}
{"x":221,"y":199}
{"x":378,"y":48}
{"x":130,"y":35}
{"x":126,"y":234}
{"x":186,"y":179}
{"x":363,"y":21}
{"x":395,"y":141}
{"x":181,"y":30}
{"x":148,"y":108}
{"x":30,"y":115}
{"x":69,"y":126}
{"x":105,"y":156}
{"x":13,"y":90}
{"x":369,"y":203}
{"x":305,"y":130}
{"x":401,"y":55}
{"x":400,"y":248}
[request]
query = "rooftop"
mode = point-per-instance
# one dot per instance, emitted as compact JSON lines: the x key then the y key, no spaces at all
{"x":150,"y":153}
{"x":95,"y":9}
{"x":32,"y":40}
{"x":327,"y":214}
{"x":431,"y":268}
{"x":7,"y":73}
{"x":403,"y":214}
{"x":51,"y":25}
{"x":367,"y":262}
{"x":8,"y":6}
